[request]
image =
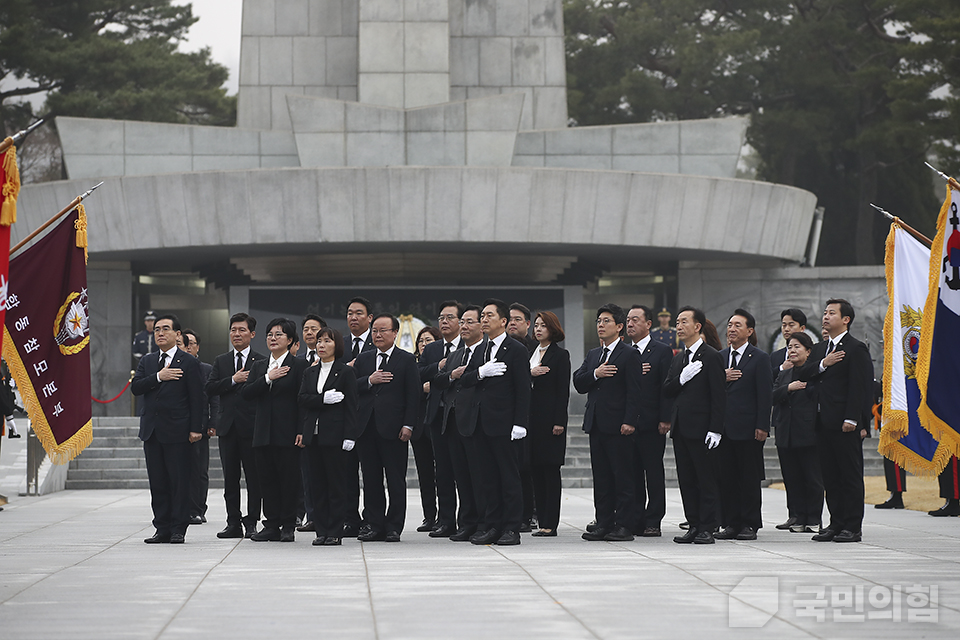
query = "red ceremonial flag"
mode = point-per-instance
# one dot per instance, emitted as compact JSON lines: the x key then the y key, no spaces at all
{"x":47,"y":337}
{"x":9,"y":189}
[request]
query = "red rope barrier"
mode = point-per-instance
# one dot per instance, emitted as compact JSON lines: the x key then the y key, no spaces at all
{"x":114,"y":397}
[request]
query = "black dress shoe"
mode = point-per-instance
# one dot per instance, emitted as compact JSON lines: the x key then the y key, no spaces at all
{"x":203,"y":519}
{"x":250,"y":531}
{"x":596,"y":535}
{"x":350,"y":531}
{"x":651,"y":532}
{"x":686,"y":538}
{"x":591,"y":526}
{"x":783,"y":526}
{"x":949,"y":508}
{"x":372,"y":536}
{"x":463,"y":534}
{"x":195,"y":520}
{"x":620,"y":534}
{"x":176,"y":538}
{"x":847,"y":536}
{"x":685,"y":525}
{"x":332,"y":542}
{"x":825,"y":535}
{"x":895,"y":501}
{"x":392,"y":536}
{"x":703,"y":537}
{"x":509,"y":538}
{"x":485,"y":537}
{"x":427,"y":525}
{"x":231,"y":531}
{"x":526,"y":527}
{"x":727,"y":533}
{"x":443,"y":531}
{"x":287,"y":535}
{"x":319,"y":541}
{"x":307,"y":526}
{"x":158,"y":538}
{"x":747,"y":533}
{"x":545,"y":533}
{"x":266,"y":535}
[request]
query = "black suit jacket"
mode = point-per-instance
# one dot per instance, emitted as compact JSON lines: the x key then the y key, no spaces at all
{"x":613,"y":401}
{"x":654,"y":407}
{"x":172,"y":409}
{"x":796,"y":411}
{"x":777,"y":358}
{"x":348,"y":346}
{"x":429,"y":359}
{"x":457,"y":400}
{"x":549,"y":400}
{"x":334,"y":422}
{"x":702,"y":402}
{"x":499,"y":403}
{"x":843,"y":390}
{"x":748,"y":398}
{"x":278,"y":417}
{"x":395,"y":404}
{"x":236,"y":412}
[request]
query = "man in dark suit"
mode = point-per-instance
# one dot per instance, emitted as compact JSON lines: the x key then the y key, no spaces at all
{"x":653,"y":424}
{"x":389,"y":387}
{"x":434,"y":358}
{"x":610,"y":376}
{"x":498,"y":412}
{"x":200,"y":474}
{"x":310,"y":328}
{"x":169,"y":381}
{"x":359,"y":317}
{"x":235,"y":426}
{"x":843,"y":389}
{"x":518,"y":328}
{"x":696,"y":381}
{"x":746,"y":425}
{"x":791,"y":321}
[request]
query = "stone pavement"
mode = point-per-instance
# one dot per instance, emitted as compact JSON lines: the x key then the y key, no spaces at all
{"x":73,"y":565}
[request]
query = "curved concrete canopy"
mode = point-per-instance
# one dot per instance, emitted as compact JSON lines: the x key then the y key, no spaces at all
{"x":607,"y":216}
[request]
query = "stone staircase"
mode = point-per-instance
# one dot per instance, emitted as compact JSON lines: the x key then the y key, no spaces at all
{"x":114,"y":460}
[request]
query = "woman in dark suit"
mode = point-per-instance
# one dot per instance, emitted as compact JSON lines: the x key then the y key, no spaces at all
{"x":328,"y":399}
{"x":795,"y":393}
{"x":423,"y":446}
{"x":550,"y":373}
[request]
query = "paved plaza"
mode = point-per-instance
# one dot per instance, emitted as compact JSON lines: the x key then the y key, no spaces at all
{"x":73,"y":565}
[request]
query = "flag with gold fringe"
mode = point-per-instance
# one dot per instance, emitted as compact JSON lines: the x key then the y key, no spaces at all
{"x":47,"y":337}
{"x":9,"y":190}
{"x":938,"y":364}
{"x":902,"y":438}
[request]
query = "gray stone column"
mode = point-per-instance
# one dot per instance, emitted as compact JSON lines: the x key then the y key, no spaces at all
{"x":109,"y":289}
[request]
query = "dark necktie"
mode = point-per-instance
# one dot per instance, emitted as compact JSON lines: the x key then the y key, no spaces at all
{"x":733,"y":359}
{"x":163,"y":360}
{"x":383,"y":361}
{"x":466,"y":356}
{"x":486,"y":357}
{"x":239,"y":362}
{"x":311,"y":356}
{"x":686,"y":357}
{"x":447,"y":348}
{"x":356,"y":347}
{"x":603,"y":356}
{"x":830,"y":347}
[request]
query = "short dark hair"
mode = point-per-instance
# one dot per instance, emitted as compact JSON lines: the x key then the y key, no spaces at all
{"x":472,"y":307}
{"x":802,"y":338}
{"x":337,"y":338}
{"x":502,"y":310}
{"x":433,"y":331}
{"x":698,"y":315}
{"x":313,"y":316}
{"x":798,"y":316}
{"x":172,"y":318}
{"x":288,"y":327}
{"x":619,"y":316}
{"x":242,"y":317}
{"x":450,"y":303}
{"x":516,"y":306}
{"x":743,"y":313}
{"x":189,"y":332}
{"x":552,"y":323}
{"x":647,"y":312}
{"x":394,"y":322}
{"x":363,"y":301}
{"x":846,"y":309}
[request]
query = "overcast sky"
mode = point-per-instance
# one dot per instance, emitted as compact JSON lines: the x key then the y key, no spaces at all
{"x":219,"y":29}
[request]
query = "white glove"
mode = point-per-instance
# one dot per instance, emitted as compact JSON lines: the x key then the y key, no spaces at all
{"x":712,"y":440}
{"x":348,"y":445}
{"x":690,"y":371}
{"x":518,"y":433}
{"x":332,"y":396}
{"x":492,"y":369}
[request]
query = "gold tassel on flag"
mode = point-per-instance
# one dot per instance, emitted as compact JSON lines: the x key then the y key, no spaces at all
{"x":11,"y":187}
{"x":81,"y":226}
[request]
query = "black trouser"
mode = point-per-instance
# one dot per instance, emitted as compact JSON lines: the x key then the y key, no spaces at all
{"x":522,"y":447}
{"x":464,"y":466}
{"x":168,"y":469}
{"x":305,"y":500}
{"x":279,"y":469}
{"x":895,"y":475}
{"x":841,"y":463}
{"x":200,"y":477}
{"x":614,"y":484}
{"x":699,"y":490}
{"x":236,"y":451}
{"x":500,"y":482}
{"x":326,"y":464}
{"x":741,"y":469}
{"x":547,"y":490}
{"x":445,"y":477}
{"x":949,"y":480}
{"x":651,"y":485}
{"x":426,"y":476}
{"x":351,"y":484}
{"x":804,"y":484}
{"x":379,"y":458}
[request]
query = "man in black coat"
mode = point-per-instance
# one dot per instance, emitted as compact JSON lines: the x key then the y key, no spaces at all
{"x":746,"y":426}
{"x":653,"y":424}
{"x":200,"y":474}
{"x":498,"y":412}
{"x":169,"y":381}
{"x":611,"y":377}
{"x":358,"y":340}
{"x":230,"y":372}
{"x":389,"y":387}
{"x":843,"y":389}
{"x":696,"y":381}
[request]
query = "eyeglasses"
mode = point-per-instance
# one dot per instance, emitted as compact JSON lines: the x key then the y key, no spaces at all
{"x":449,"y":318}
{"x":605,"y":321}
{"x":163,"y":329}
{"x":468,"y":322}
{"x":380,"y":332}
{"x":276,"y":336}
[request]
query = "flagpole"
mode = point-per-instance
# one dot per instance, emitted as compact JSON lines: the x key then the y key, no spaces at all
{"x":953,"y":183}
{"x":20,"y":135}
{"x":903,"y":225}
{"x":70,"y":207}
